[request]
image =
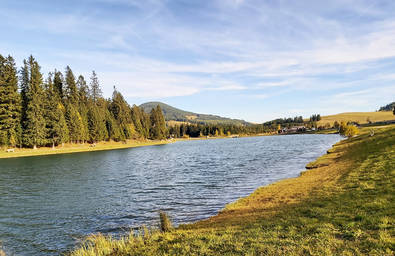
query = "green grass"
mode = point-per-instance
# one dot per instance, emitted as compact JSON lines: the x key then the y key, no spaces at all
{"x":345,"y":207}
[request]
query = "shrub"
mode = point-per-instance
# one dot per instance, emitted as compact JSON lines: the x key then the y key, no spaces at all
{"x":351,"y":131}
{"x":165,"y":223}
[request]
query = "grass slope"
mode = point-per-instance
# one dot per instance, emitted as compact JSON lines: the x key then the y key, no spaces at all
{"x":360,"y":117}
{"x":342,"y":207}
{"x":175,"y":114}
{"x":75,"y":148}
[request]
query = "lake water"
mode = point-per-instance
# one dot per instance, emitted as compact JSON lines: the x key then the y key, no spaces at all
{"x":49,"y":203}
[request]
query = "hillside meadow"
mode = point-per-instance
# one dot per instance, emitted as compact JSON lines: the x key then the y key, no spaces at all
{"x":343,"y":205}
{"x":360,"y":117}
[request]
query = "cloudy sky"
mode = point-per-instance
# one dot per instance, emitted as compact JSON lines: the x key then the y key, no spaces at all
{"x":254,"y":60}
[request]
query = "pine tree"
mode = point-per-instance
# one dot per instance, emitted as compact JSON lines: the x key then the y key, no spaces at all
{"x":10,"y":103}
{"x":33,"y":106}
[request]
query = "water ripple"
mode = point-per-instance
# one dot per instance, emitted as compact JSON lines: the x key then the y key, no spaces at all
{"x":49,"y":203}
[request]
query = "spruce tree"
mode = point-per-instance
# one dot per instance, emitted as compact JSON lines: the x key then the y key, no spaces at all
{"x":122,"y":114}
{"x":57,"y":131}
{"x":113,"y":129}
{"x":158,"y":124}
{"x":74,"y":123}
{"x":97,"y":112}
{"x":83,"y":94}
{"x":10,"y":103}
{"x":161,"y":123}
{"x":73,"y":117}
{"x":58,"y":82}
{"x":33,"y":92}
{"x":96,"y":124}
{"x":72,"y":93}
{"x":146,"y":122}
{"x":83,"y":89}
{"x":95,"y":90}
{"x":137,"y":119}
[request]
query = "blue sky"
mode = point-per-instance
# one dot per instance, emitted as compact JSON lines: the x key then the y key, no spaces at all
{"x":254,"y":60}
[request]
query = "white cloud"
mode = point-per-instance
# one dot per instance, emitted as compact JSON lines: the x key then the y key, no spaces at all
{"x":160,"y":51}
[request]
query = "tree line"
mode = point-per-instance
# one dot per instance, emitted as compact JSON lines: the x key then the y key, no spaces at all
{"x":213,"y":130}
{"x":64,"y":108}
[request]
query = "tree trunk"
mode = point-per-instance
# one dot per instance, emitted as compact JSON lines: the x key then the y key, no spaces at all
{"x":34,"y":147}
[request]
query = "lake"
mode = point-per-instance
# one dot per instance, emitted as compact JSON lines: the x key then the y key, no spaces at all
{"x":50,"y":203}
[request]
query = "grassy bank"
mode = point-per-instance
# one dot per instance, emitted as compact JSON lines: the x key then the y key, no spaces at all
{"x":344,"y":205}
{"x":75,"y":148}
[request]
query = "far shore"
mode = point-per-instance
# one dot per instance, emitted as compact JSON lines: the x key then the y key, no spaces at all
{"x":70,"y":148}
{"x":78,"y":148}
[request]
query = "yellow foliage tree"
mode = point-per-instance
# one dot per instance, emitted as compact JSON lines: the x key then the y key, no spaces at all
{"x":348,"y":130}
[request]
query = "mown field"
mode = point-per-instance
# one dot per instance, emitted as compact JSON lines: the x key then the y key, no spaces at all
{"x":344,"y":205}
{"x":360,"y":117}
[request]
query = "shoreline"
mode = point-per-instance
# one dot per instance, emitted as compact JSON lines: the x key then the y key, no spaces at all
{"x":100,"y":146}
{"x":316,"y":211}
{"x":79,"y":148}
{"x":321,"y":161}
{"x":111,"y":145}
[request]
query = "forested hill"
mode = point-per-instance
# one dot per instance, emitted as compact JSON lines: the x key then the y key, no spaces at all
{"x":388,"y":107}
{"x":175,"y":114}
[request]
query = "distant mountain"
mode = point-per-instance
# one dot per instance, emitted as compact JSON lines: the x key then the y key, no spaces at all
{"x":388,"y":107}
{"x":175,"y":114}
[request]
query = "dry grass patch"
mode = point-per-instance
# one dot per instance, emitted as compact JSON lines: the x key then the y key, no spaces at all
{"x":360,"y":117}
